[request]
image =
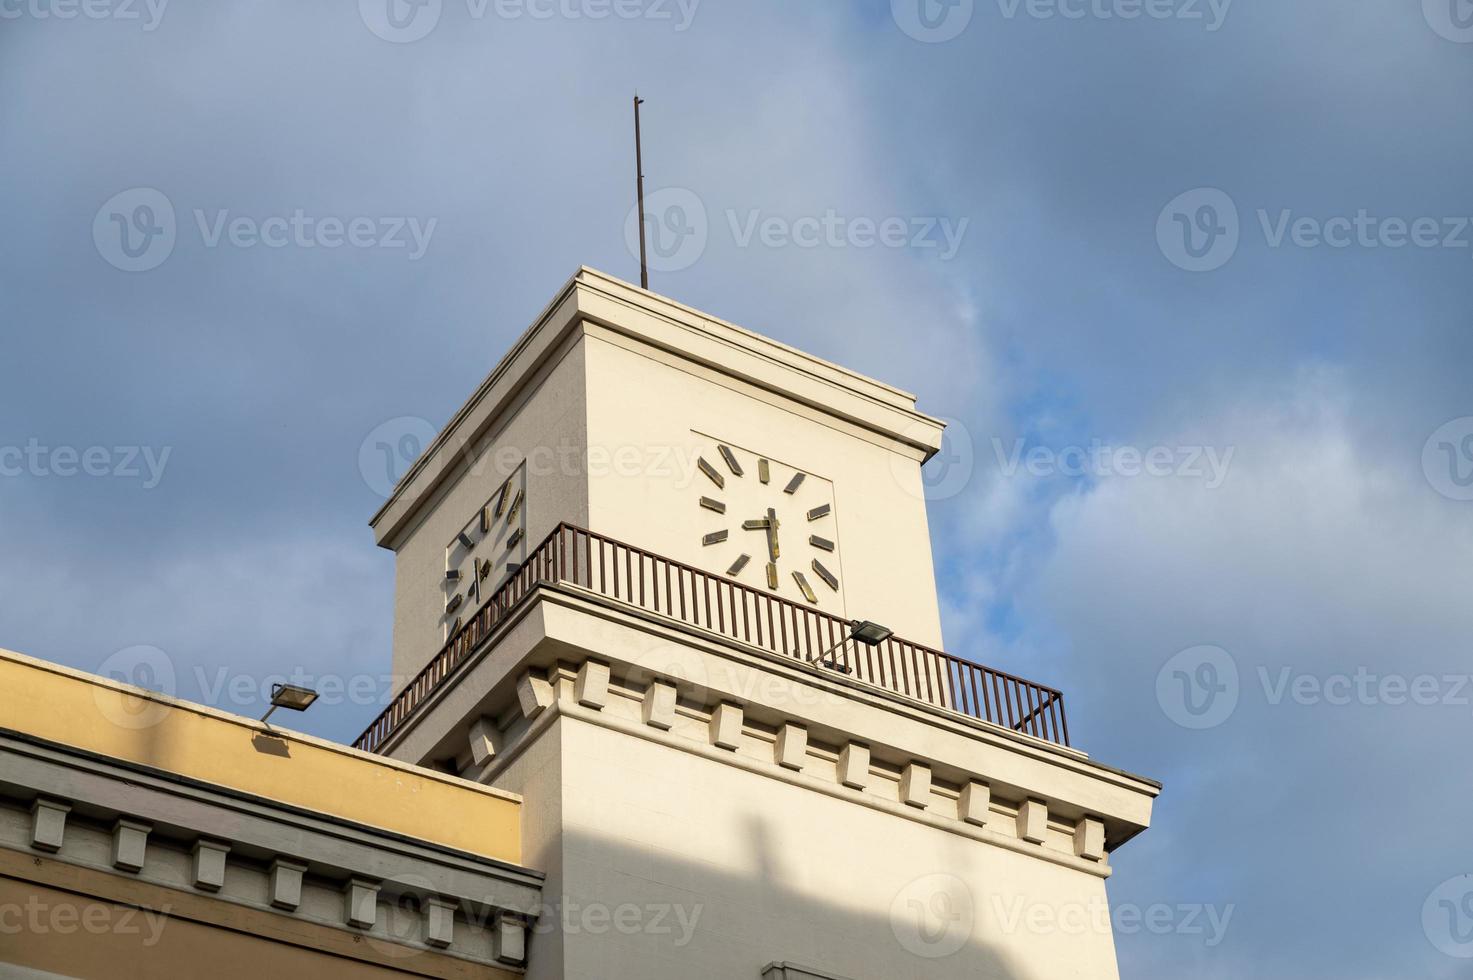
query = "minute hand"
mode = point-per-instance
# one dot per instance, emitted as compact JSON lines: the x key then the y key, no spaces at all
{"x":772,"y":525}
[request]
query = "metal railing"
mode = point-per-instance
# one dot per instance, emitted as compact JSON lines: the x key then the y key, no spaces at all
{"x":717,"y":603}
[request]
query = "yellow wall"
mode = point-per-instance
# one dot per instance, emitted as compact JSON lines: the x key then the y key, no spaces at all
{"x":111,"y":719}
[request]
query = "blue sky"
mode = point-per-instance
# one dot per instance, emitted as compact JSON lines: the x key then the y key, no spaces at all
{"x":1236,"y":232}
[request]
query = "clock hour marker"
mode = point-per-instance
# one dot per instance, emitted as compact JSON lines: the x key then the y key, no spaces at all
{"x":794,"y":483}
{"x":715,"y":505}
{"x":516,"y":537}
{"x":516,"y":505}
{"x":486,"y":568}
{"x":818,"y":512}
{"x":763,"y":472}
{"x":710,"y":471}
{"x":807,"y":589}
{"x":465,"y":540}
{"x":826,"y":575}
{"x":819,"y":542}
{"x":455,"y":626}
{"x":486,"y":520}
{"x":474,"y":591}
{"x":731,"y":460}
{"x":454,"y":603}
{"x":738,"y":565}
{"x":715,"y":537}
{"x":771,"y":575}
{"x":501,"y":497}
{"x":452,"y":575}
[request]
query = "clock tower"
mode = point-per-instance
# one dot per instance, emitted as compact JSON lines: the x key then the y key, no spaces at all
{"x":660,"y":426}
{"x":670,"y":581}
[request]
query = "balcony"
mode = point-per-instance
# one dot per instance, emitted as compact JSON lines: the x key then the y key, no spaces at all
{"x":626,"y":574}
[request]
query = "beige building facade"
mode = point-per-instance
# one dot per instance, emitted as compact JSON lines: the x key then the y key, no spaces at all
{"x":694,"y":735}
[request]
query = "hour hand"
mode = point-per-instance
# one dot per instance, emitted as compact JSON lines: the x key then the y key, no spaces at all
{"x":761,"y":524}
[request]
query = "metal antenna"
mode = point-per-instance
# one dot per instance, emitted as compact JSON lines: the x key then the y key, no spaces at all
{"x":644,"y":270}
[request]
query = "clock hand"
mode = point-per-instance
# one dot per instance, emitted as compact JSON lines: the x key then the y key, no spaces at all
{"x":772,"y":525}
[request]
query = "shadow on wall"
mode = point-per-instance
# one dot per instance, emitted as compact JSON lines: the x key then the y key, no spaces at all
{"x":643,"y":913}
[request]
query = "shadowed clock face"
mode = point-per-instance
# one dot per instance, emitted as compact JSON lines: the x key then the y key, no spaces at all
{"x":769,"y":524}
{"x":485,"y":552}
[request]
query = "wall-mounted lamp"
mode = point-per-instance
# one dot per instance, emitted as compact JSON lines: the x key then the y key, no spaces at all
{"x":861,"y":631}
{"x":290,"y":696}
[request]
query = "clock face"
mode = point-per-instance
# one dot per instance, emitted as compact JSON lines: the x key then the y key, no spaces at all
{"x":488,"y":550}
{"x":769,"y":524}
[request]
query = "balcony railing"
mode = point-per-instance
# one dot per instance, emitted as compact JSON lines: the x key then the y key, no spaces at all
{"x":716,"y":603}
